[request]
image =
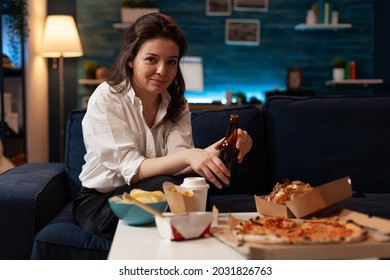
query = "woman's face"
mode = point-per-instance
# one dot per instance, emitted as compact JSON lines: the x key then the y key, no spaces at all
{"x":155,"y":66}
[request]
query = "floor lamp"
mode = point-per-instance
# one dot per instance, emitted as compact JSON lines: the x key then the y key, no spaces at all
{"x":61,"y":39}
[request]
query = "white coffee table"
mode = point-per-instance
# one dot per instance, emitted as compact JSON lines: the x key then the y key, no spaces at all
{"x":145,"y":243}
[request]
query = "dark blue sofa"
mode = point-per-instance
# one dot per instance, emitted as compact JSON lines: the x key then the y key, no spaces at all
{"x":310,"y":139}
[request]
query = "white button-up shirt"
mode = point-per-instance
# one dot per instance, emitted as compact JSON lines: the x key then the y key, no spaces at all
{"x":117,"y":138}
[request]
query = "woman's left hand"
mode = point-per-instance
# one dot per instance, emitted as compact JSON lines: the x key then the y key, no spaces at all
{"x":244,"y":144}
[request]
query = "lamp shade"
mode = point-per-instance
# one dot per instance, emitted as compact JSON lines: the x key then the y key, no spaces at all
{"x":60,"y":37}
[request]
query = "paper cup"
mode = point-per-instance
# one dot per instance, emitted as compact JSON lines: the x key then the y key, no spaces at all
{"x":199,"y":188}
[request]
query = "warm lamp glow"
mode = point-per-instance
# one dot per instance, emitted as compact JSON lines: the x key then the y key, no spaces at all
{"x":61,"y":37}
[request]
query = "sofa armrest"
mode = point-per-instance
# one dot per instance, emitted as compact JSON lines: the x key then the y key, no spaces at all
{"x":30,"y":196}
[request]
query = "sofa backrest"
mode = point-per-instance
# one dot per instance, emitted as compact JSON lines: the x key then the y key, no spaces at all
{"x":74,"y":149}
{"x":208,"y":126}
{"x":320,"y":139}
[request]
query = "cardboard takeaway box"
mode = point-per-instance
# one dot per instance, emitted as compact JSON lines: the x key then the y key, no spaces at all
{"x":177,"y":202}
{"x":184,"y":226}
{"x":319,"y":198}
{"x":182,"y":223}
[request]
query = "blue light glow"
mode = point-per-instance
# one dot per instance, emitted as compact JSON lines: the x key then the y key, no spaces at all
{"x":15,"y":57}
{"x":219,"y":95}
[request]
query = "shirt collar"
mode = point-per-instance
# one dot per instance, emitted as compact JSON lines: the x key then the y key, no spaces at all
{"x":165,"y":97}
{"x":131,"y":94}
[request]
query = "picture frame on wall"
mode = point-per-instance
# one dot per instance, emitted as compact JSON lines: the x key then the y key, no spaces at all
{"x":242,"y":32}
{"x":294,"y":79}
{"x":218,"y":7}
{"x":251,"y":5}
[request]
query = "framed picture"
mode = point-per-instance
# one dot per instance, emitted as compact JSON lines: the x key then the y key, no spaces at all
{"x":242,"y":32}
{"x":218,"y":7}
{"x":294,"y":79}
{"x":251,"y":5}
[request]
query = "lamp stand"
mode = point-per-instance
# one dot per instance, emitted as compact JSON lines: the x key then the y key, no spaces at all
{"x":61,"y":107}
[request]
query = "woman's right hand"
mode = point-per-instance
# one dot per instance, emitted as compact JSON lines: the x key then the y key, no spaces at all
{"x":209,"y":166}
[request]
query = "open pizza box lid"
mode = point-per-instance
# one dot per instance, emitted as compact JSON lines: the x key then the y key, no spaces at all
{"x":372,"y":222}
{"x":319,"y":198}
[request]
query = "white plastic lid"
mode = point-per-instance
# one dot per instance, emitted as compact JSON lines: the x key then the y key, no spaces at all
{"x":194,"y":183}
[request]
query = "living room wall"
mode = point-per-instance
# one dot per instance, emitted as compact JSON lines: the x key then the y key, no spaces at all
{"x":250,"y":69}
{"x":273,"y":56}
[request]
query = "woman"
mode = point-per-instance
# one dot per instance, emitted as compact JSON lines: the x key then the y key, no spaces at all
{"x":137,"y":128}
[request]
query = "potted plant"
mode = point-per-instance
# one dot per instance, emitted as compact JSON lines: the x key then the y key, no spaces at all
{"x":17,"y":23}
{"x":240,"y":98}
{"x":338,"y":64}
{"x":90,"y":69}
{"x":133,"y":9}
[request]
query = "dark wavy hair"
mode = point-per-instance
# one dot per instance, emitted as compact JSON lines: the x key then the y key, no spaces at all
{"x":147,"y":27}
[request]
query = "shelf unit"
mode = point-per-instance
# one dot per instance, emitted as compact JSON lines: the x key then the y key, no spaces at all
{"x":13,"y":123}
{"x":121,"y":25}
{"x":322,"y":27}
{"x":364,"y":82}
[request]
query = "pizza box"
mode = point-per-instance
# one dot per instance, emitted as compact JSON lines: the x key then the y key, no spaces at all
{"x":377,"y":245}
{"x":319,"y":198}
{"x":371,"y":222}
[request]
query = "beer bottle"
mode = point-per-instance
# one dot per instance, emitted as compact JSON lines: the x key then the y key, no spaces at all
{"x":228,"y":151}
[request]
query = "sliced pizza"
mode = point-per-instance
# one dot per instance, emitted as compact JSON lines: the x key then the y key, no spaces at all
{"x":281,"y":230}
{"x":330,"y":231}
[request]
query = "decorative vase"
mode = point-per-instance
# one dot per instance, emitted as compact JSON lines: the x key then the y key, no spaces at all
{"x":338,"y":74}
{"x":311,"y":18}
{"x":229,"y":97}
{"x":129,"y":15}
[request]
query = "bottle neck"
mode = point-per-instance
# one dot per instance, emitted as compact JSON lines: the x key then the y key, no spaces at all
{"x":232,"y":130}
{"x":231,"y":133}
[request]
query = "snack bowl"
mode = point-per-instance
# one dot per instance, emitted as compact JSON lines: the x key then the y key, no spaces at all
{"x":184,"y":226}
{"x":133,"y":215}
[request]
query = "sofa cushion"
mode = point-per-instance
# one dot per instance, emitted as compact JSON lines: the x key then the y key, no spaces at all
{"x":30,"y":196}
{"x":74,"y":150}
{"x":233,"y":203}
{"x":209,"y":126}
{"x":62,"y":238}
{"x":320,"y":139}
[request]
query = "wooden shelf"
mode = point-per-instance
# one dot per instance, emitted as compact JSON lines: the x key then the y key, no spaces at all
{"x":319,"y":27}
{"x":121,"y":25}
{"x":364,"y":82}
{"x":198,"y":106}
{"x":90,"y":81}
{"x":12,"y":72}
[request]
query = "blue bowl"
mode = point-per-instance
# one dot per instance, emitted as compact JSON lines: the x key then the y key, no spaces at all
{"x":132,"y":215}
